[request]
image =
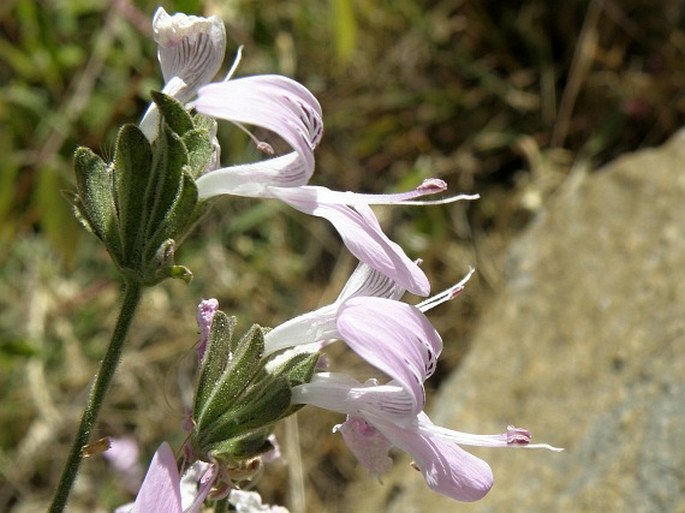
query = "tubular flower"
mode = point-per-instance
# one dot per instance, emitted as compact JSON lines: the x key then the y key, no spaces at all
{"x":290,"y":110}
{"x":395,"y":337}
{"x":320,"y":325}
{"x":382,"y":416}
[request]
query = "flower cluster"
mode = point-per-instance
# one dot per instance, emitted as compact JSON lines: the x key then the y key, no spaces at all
{"x":400,"y":341}
{"x":245,"y":386}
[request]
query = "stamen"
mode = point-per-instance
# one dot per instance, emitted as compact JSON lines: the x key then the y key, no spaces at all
{"x":447,"y":294}
{"x":236,"y":62}
{"x":262,"y":146}
{"x":432,"y":185}
{"x":517,"y":436}
{"x":445,"y":201}
{"x":265,"y":147}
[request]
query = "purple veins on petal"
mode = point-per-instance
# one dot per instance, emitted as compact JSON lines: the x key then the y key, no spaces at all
{"x":191,"y":48}
{"x":385,"y":332}
{"x":276,"y":103}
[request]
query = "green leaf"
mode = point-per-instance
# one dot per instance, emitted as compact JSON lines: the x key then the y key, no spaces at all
{"x":263,"y":405}
{"x":204,"y":122}
{"x":132,"y":169}
{"x":17,"y":347}
{"x":215,"y":358}
{"x":78,"y":210}
{"x":242,"y":368}
{"x":9,"y":171}
{"x":95,"y":184}
{"x":173,"y":112}
{"x":236,"y":450}
{"x":299,"y":369}
{"x":178,"y":220}
{"x":166,"y":186}
{"x":200,"y":150}
{"x":345,"y":28}
{"x":177,"y":272}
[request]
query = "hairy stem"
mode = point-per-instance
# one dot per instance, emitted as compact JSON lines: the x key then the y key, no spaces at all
{"x":131,"y":297}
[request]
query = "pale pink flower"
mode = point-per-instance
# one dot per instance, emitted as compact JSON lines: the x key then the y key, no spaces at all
{"x":286,"y":108}
{"x":398,"y":340}
{"x":190,"y":51}
{"x":123,"y":455}
{"x":161,"y":489}
{"x":382,"y":416}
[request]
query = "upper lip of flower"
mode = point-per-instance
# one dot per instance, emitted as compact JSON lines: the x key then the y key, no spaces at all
{"x":191,"y":48}
{"x":278,"y":104}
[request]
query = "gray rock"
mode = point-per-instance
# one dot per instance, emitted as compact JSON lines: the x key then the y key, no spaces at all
{"x":584,"y":346}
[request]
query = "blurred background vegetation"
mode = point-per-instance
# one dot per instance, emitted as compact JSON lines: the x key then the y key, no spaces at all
{"x":508,"y":99}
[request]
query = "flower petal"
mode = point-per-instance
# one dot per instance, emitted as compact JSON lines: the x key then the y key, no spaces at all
{"x":367,"y":444}
{"x":160,"y":490}
{"x":361,"y":233}
{"x":304,"y":329}
{"x":394,"y":337}
{"x":367,"y":281}
{"x":202,"y":473}
{"x":191,"y":48}
{"x":446,"y":467}
{"x":276,"y":103}
{"x":253,"y":180}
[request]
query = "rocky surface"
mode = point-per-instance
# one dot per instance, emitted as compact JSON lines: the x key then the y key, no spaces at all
{"x":584,"y":346}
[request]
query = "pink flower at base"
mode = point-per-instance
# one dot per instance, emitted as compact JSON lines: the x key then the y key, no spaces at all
{"x":446,"y":467}
{"x":161,"y":488}
{"x":123,"y":455}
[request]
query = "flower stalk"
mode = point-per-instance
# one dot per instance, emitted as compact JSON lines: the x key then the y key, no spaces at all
{"x":131,"y":298}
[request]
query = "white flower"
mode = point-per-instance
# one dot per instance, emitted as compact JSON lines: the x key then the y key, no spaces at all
{"x":190,"y":50}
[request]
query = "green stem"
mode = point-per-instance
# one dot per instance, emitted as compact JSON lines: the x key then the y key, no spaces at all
{"x":131,"y":297}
